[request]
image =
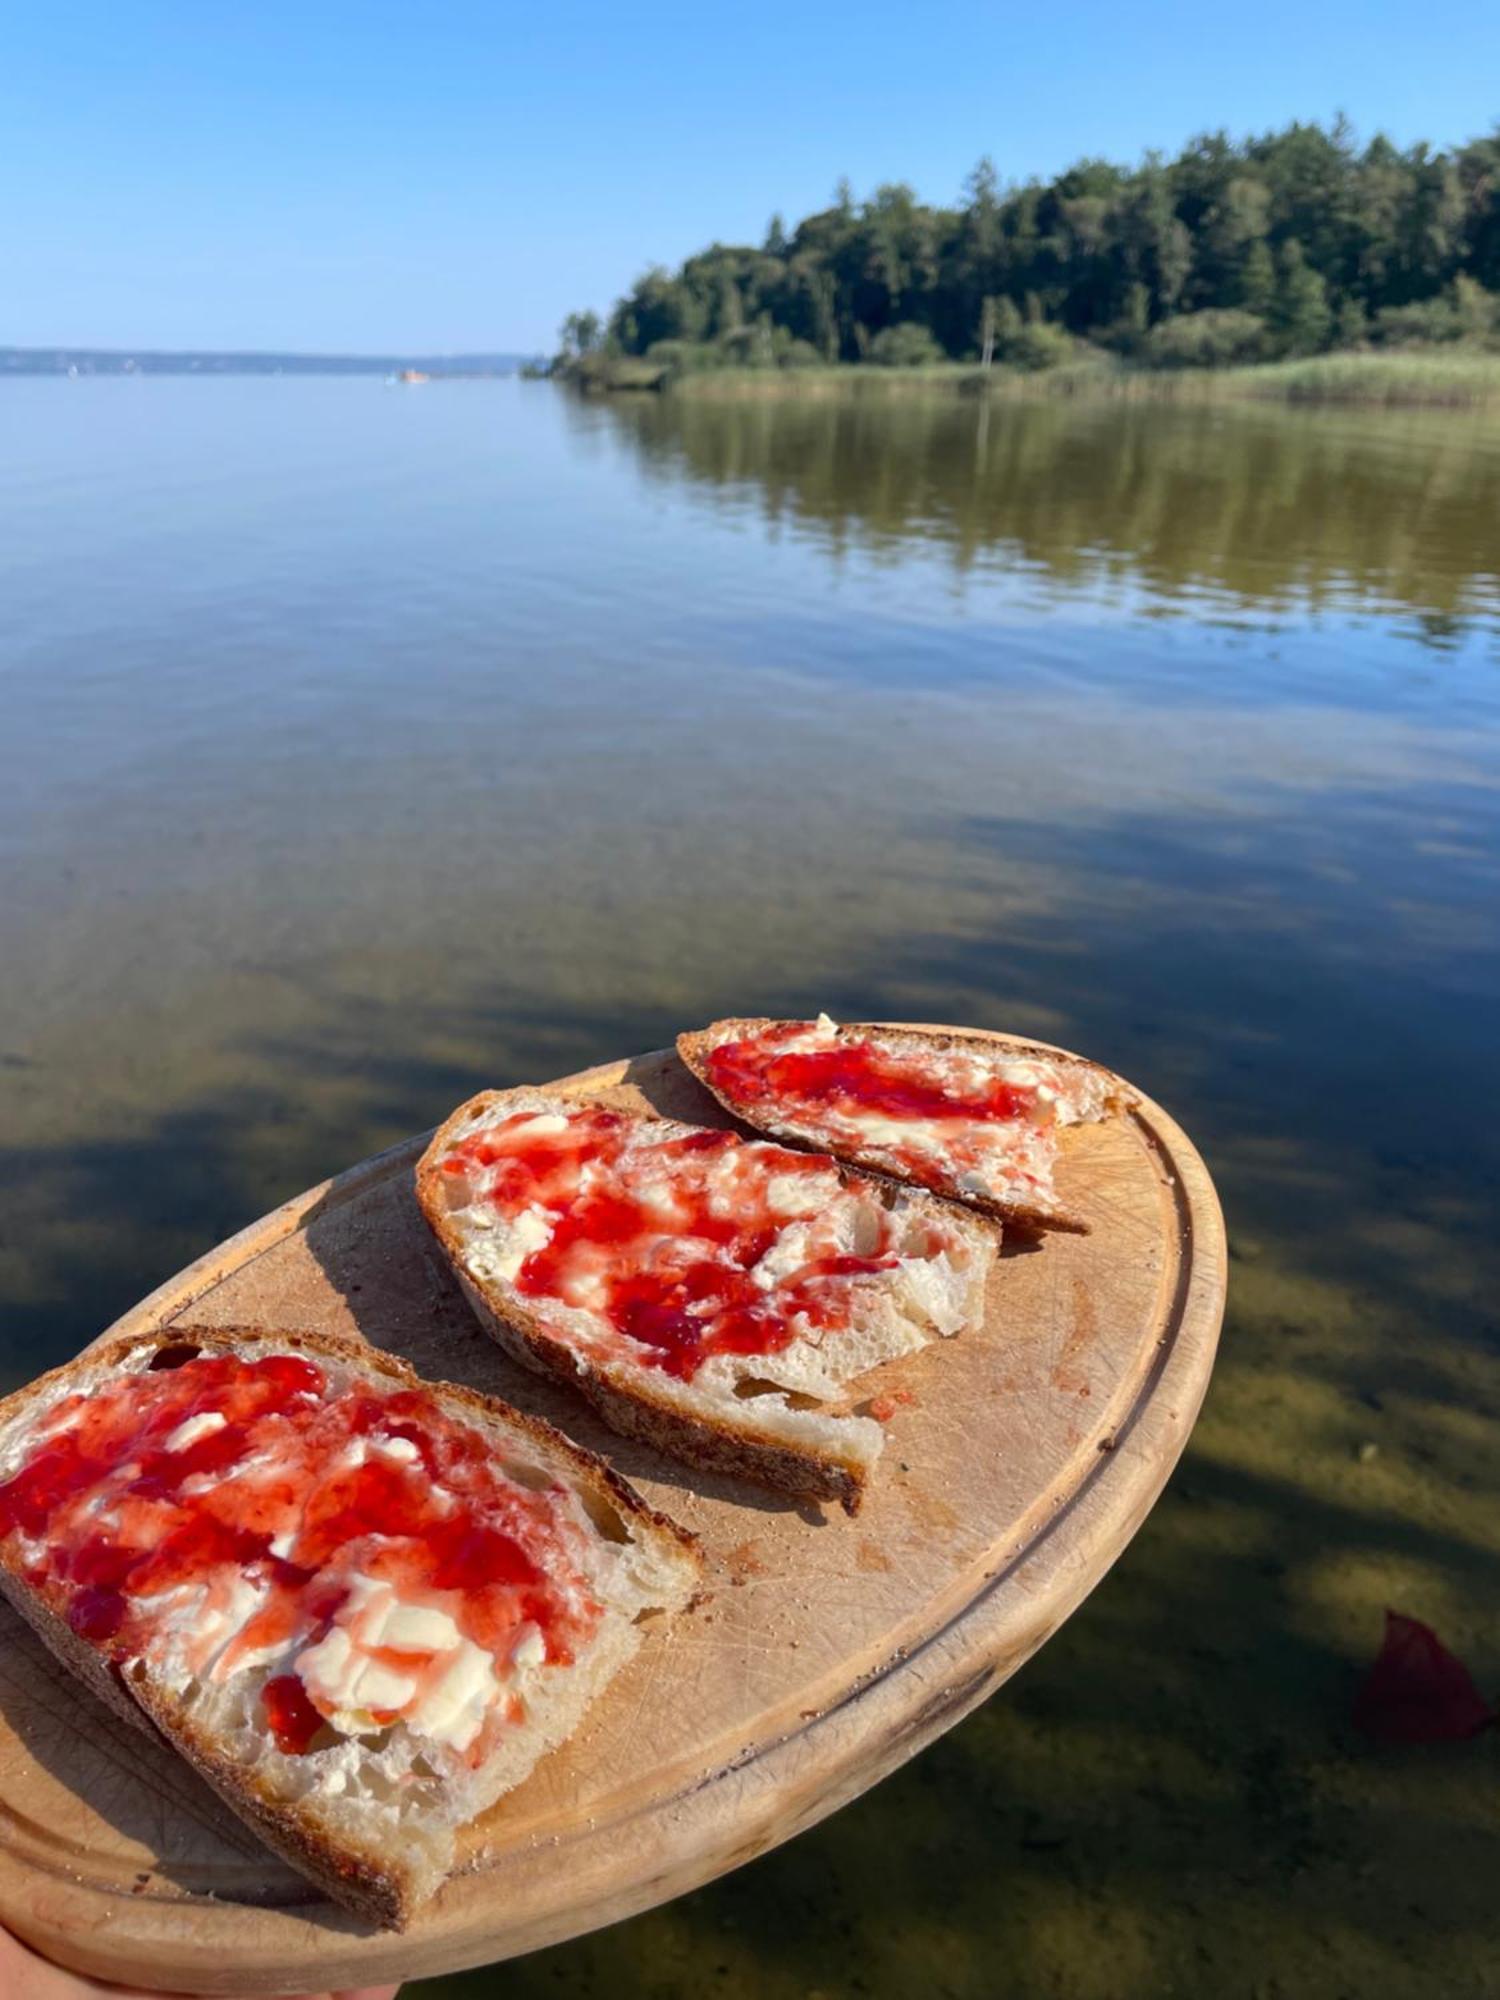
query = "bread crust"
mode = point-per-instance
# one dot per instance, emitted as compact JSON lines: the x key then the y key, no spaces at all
{"x":703,"y":1441}
{"x":709,"y":1442}
{"x":695,"y":1046}
{"x":380,"y":1895}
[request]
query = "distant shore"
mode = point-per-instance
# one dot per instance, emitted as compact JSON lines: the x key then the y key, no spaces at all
{"x":78,"y":361}
{"x":1452,"y":377}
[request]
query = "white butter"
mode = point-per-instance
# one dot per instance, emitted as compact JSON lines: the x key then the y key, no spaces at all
{"x":235,"y":1660}
{"x":826,"y":1025}
{"x":354,"y":1689}
{"x":799,"y":1194}
{"x":530,"y":1230}
{"x":381,"y":1687}
{"x":586,"y":1280}
{"x":530,"y":1650}
{"x":400,"y":1451}
{"x":327,"y":1669}
{"x":452,"y":1711}
{"x":541,"y":1123}
{"x":878,"y":1130}
{"x":417,"y":1628}
{"x":192,"y":1428}
{"x":786,"y":1255}
{"x":659,"y":1200}
{"x":197,"y":1623}
{"x":176,"y":1611}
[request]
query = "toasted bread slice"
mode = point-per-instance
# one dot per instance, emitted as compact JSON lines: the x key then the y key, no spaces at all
{"x":711,"y":1295}
{"x":972,"y":1119}
{"x":362,"y":1606}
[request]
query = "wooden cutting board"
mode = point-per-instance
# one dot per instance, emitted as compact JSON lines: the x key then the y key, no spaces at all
{"x":828,"y":1651}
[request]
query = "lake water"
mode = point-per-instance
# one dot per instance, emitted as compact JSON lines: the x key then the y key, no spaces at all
{"x":363,"y":746}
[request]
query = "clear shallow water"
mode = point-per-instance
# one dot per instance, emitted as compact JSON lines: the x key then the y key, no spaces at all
{"x":362,"y":746}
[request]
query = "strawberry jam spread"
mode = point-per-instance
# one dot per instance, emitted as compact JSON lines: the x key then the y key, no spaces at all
{"x":857,"y":1078}
{"x":237,"y":1513}
{"x":691,"y":1244}
{"x":931,"y":1116}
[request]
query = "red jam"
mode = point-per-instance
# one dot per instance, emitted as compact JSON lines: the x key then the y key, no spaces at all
{"x":653,"y":1239}
{"x":293,"y":1719}
{"x":853,"y":1078}
{"x":121,"y":1516}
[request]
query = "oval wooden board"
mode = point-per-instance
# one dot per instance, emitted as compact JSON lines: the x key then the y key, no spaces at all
{"x":827,"y":1652}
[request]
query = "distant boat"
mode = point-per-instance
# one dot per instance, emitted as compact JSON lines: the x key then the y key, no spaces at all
{"x":413,"y":375}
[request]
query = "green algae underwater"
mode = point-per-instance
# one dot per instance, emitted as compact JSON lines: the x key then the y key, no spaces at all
{"x":379,"y":747}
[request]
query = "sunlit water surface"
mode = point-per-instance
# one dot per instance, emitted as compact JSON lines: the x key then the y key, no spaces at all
{"x":362,"y":746}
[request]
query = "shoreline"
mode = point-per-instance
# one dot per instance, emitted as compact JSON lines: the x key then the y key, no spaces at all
{"x":1462,"y":378}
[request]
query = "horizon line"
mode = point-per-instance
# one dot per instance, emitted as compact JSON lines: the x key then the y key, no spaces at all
{"x":127,"y":349}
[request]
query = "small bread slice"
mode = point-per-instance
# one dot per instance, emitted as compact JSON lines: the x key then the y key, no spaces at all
{"x":712,"y":1295}
{"x":974,"y":1120}
{"x":362,"y":1606}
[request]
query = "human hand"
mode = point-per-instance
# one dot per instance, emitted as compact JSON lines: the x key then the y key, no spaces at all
{"x":25,"y":1976}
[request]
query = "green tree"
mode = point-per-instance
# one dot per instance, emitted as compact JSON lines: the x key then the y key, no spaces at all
{"x":1255,"y":285}
{"x":905,"y":346}
{"x":1129,"y":329}
{"x":825,"y":325}
{"x":976,"y":256}
{"x":1009,"y":326}
{"x":1474,"y":309}
{"x":1352,"y":322}
{"x":580,"y":334}
{"x":1478,"y":170}
{"x":729,"y":311}
{"x":1302,"y":315}
{"x":1300,"y":227}
{"x":1217,"y":337}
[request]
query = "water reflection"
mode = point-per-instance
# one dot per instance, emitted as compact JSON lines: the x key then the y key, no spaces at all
{"x":384,"y":747}
{"x":1271,"y":509}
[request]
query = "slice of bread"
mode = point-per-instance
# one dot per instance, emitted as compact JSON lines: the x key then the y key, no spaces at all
{"x":974,"y":1120}
{"x":361,"y":1605}
{"x":711,"y":1295}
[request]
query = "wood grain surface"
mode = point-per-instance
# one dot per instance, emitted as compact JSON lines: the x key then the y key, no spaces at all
{"x":827,"y":1651}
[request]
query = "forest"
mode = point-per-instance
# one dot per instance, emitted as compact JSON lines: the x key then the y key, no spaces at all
{"x":1236,"y":251}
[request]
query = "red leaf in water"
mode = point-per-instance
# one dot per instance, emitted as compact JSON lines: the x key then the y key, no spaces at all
{"x":1417,"y":1692}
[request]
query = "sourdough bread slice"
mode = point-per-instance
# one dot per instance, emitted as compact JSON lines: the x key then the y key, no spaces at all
{"x":711,"y":1295}
{"x":972,"y":1119}
{"x":361,"y":1605}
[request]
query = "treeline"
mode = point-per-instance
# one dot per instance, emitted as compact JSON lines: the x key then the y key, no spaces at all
{"x":1293,"y":243}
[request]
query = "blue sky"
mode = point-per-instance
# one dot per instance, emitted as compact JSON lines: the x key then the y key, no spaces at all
{"x":329,"y":176}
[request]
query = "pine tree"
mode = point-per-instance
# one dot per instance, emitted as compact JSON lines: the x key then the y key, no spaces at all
{"x":1303,"y":317}
{"x":729,"y":317}
{"x":825,"y":324}
{"x":1294,"y":228}
{"x":1257,"y":279}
